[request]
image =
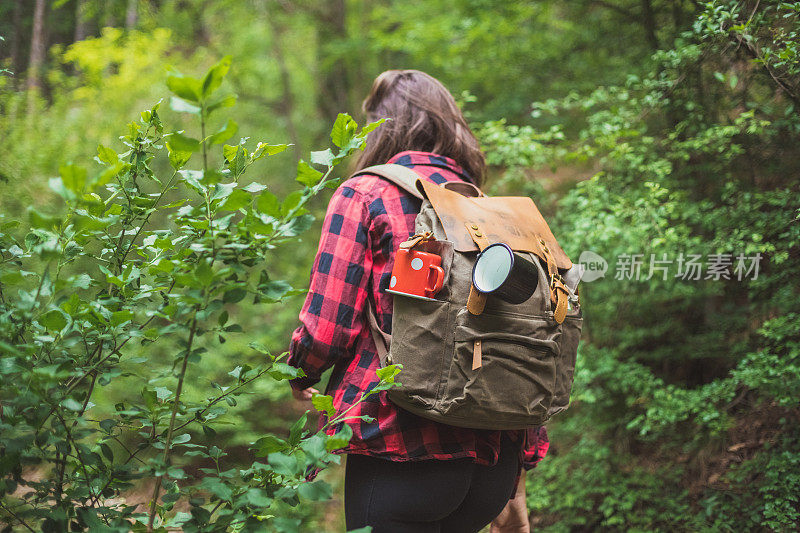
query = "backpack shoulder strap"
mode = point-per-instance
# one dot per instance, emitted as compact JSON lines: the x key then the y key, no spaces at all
{"x":403,"y":177}
{"x":382,"y":339}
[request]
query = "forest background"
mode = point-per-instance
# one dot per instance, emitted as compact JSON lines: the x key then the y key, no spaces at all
{"x":667,"y":129}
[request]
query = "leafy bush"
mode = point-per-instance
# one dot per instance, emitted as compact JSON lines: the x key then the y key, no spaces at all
{"x":127,"y":290}
{"x":685,"y":401}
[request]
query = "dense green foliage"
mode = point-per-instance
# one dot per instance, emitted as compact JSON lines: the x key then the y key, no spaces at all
{"x":686,"y":402}
{"x":665,"y":128}
{"x":127,"y":290}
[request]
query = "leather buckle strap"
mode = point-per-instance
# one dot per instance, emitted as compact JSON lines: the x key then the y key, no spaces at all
{"x":561,"y":293}
{"x":476,"y":300}
{"x":417,"y":239}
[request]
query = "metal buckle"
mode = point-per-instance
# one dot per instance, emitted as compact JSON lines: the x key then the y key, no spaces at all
{"x":570,"y":293}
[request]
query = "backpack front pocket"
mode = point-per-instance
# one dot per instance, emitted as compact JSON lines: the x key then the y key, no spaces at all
{"x":516,"y":378}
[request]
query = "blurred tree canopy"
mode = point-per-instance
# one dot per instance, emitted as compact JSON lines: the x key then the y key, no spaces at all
{"x":649,"y":132}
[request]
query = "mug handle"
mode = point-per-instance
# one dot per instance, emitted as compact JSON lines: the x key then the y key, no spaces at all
{"x":437,"y":286}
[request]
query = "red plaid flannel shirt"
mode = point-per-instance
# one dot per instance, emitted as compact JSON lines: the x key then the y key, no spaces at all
{"x":367,"y":218}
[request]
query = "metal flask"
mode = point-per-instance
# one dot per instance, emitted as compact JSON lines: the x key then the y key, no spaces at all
{"x":501,"y":272}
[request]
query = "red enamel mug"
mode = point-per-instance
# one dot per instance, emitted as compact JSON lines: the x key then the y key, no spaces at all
{"x":416,"y":274}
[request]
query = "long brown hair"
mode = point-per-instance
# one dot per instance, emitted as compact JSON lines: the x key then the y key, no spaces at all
{"x":424,"y":117}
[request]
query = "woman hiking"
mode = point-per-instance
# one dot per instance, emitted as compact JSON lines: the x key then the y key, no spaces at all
{"x":404,"y":473}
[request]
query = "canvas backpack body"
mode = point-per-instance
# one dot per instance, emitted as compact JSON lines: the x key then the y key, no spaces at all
{"x":469,"y":359}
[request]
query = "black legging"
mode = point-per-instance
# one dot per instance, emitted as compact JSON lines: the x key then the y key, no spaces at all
{"x":456,"y":496}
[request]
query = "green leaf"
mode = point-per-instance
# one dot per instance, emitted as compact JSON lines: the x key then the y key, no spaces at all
{"x":298,"y":225}
{"x":238,"y":199}
{"x":282,"y":371}
{"x":179,"y":142}
{"x":225,"y":101}
{"x":72,"y":405}
{"x":236,"y":372}
{"x":283,"y":464}
{"x":229,"y":152}
{"x":53,"y":320}
{"x":107,"y":155}
{"x":291,"y":202}
{"x":184,"y":86}
{"x":81,"y":281}
{"x":235,"y":157}
{"x":297,"y":430}
{"x":163,"y":393}
{"x":182,"y":106}
{"x":225,"y":133}
{"x":73,"y":177}
{"x":57,"y":186}
{"x":258,"y":498}
{"x":192,"y":178}
{"x":323,"y":403}
{"x":214,"y":76}
{"x":107,"y":453}
{"x":344,"y":129}
{"x":307,"y":175}
{"x":315,"y":491}
{"x":334,"y":183}
{"x":181,"y":439}
{"x":120,"y":317}
{"x":212,"y":177}
{"x":204,"y":273}
{"x":269,"y":204}
{"x":254,"y":187}
{"x":178,"y":159}
{"x":371,"y":126}
{"x":322,"y":157}
{"x":268,"y":149}
{"x":357,"y":141}
{"x":274,"y":290}
{"x":234,"y":295}
{"x":269,"y":444}
{"x":260,"y":348}
{"x":222,"y":190}
{"x":217,"y":487}
{"x":314,"y":448}
{"x":110,"y":173}
{"x":340,"y":439}
{"x":388,"y":373}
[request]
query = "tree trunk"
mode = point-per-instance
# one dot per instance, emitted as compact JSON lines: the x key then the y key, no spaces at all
{"x":649,"y":24}
{"x":38,"y":45}
{"x":678,"y":15}
{"x":81,"y":24}
{"x":108,"y":15}
{"x":132,"y":14}
{"x":287,"y":98}
{"x":334,"y":76}
{"x":16,"y":64}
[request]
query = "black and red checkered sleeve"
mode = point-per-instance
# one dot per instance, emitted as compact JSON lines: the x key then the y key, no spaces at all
{"x":536,"y":445}
{"x":333,"y":315}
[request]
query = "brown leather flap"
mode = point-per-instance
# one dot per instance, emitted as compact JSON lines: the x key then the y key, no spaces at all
{"x":514,"y":220}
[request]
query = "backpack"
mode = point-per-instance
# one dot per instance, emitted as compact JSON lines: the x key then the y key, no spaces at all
{"x":470,"y":359}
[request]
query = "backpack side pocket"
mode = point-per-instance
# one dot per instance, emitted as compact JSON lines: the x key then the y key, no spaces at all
{"x":422,"y":338}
